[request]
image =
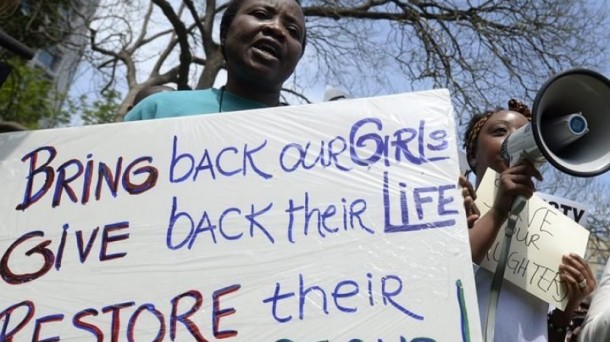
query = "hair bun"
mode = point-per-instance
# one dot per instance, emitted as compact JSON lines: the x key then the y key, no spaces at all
{"x":519,"y":107}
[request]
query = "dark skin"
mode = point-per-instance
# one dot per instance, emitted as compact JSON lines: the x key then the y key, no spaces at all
{"x":514,"y":181}
{"x":263,"y":45}
{"x":469,"y":194}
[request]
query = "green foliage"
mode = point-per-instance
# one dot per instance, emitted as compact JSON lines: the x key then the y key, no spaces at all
{"x":27,"y":97}
{"x":102,"y":110}
{"x":40,"y":23}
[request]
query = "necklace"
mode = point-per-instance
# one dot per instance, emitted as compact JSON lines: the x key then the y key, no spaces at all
{"x":222,"y":94}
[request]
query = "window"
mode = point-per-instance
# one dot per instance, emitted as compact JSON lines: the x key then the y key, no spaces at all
{"x":48,"y":60}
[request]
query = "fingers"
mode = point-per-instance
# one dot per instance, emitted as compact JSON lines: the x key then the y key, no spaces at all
{"x":469,"y":195}
{"x":472,"y":219}
{"x":527,"y":168}
{"x":472,"y":212}
{"x":467,"y":186}
{"x":467,"y":189}
{"x":577,"y":276}
{"x":517,"y":180}
{"x":517,"y":185}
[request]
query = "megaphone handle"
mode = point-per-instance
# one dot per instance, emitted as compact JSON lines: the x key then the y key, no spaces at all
{"x":496,"y":284}
{"x":516,"y":208}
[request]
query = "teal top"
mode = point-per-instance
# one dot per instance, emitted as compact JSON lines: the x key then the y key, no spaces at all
{"x":169,"y":104}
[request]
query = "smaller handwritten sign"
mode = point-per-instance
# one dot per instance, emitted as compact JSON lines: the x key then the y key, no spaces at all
{"x":543,"y":235}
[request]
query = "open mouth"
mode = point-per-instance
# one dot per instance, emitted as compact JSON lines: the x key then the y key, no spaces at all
{"x":270,"y":48}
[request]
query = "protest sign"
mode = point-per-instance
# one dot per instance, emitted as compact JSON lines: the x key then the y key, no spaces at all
{"x":327,"y":222}
{"x":578,"y":212}
{"x":542,"y":236}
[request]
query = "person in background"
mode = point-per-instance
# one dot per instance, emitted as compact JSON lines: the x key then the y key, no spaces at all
{"x":579,"y":317}
{"x":520,"y":315}
{"x":10,"y":126}
{"x":596,"y":326}
{"x":262,"y":42}
{"x":334,"y":94}
{"x":146,"y":92}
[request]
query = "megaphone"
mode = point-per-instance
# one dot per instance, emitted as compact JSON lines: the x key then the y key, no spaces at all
{"x":570,"y":126}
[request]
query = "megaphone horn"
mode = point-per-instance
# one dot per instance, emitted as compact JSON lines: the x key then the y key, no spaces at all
{"x":570,"y":125}
{"x":570,"y":128}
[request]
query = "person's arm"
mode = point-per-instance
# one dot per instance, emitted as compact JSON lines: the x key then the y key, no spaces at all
{"x":596,"y":326}
{"x":516,"y":180}
{"x":483,"y":234}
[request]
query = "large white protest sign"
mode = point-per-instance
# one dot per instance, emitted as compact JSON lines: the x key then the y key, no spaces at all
{"x":328,"y":222}
{"x":542,"y":236}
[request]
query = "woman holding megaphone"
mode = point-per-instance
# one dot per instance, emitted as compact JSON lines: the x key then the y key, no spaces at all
{"x":521,"y":316}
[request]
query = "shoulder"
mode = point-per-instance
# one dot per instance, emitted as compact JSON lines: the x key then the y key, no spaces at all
{"x":175,"y":103}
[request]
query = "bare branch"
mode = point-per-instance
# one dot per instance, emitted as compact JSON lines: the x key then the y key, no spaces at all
{"x":182,"y":34}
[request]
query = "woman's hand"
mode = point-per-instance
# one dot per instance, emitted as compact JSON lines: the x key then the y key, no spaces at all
{"x":578,"y":278}
{"x":472,"y":212}
{"x":515,"y":181}
{"x":580,"y":282}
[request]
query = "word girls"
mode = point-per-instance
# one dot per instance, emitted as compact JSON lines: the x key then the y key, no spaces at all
{"x":367,"y":146}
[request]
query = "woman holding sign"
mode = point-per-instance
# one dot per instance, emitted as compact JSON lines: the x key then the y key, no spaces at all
{"x":520,"y":315}
{"x":262,"y":41}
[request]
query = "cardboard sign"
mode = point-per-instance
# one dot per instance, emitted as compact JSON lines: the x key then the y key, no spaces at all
{"x":578,"y":212}
{"x":542,"y":236}
{"x":328,"y":222}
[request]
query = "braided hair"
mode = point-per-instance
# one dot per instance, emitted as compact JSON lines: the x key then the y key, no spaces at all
{"x":478,"y":121}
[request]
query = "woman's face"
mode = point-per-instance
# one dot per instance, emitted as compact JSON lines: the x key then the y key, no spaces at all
{"x":265,"y":42}
{"x":492,"y":134}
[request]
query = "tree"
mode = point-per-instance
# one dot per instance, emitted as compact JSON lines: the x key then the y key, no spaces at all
{"x":38,"y":23}
{"x":484,"y":52}
{"x":480,"y":50}
{"x":27,"y":97}
{"x":100,"y":110}
{"x":30,"y":97}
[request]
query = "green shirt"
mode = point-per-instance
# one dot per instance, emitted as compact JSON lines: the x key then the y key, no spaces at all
{"x":189,"y":102}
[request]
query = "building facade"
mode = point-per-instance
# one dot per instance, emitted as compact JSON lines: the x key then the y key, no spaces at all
{"x":60,"y":62}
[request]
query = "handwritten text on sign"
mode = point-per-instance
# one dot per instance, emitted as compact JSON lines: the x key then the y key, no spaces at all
{"x":321,"y":222}
{"x":542,"y":236}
